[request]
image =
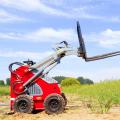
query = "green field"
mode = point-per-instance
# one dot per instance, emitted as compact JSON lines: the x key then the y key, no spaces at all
{"x":104,"y":90}
{"x":100,"y":95}
{"x":4,"y":90}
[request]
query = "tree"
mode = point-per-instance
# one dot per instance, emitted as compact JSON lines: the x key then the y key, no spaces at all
{"x":59,"y":78}
{"x":85,"y":81}
{"x":69,"y":81}
{"x":8,"y":81}
{"x":81,"y":80}
{"x":88,"y":81}
{"x":2,"y":82}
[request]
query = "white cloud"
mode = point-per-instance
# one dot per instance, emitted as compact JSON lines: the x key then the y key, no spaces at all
{"x":7,"y":17}
{"x":32,"y":5}
{"x":106,"y":38}
{"x":42,"y":35}
{"x":55,"y":2}
{"x":68,"y":12}
{"x":24,"y":54}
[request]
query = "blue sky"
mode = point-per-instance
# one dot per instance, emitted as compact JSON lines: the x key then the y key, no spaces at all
{"x":30,"y":28}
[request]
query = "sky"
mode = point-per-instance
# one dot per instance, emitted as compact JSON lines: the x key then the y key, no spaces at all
{"x":30,"y":28}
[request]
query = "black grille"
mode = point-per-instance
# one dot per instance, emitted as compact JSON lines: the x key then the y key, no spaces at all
{"x":35,"y":89}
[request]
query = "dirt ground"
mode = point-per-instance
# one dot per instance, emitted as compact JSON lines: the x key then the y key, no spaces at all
{"x":74,"y":111}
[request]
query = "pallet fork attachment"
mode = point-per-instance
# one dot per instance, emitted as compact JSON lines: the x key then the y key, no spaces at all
{"x":82,"y":50}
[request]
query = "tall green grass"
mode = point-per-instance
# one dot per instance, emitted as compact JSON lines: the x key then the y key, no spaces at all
{"x":4,"y":90}
{"x":103,"y":90}
{"x":98,"y":97}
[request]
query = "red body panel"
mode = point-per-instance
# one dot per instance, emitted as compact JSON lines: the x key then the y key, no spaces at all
{"x":24,"y":75}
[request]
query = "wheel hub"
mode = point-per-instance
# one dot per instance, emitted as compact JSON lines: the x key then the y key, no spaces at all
{"x":22,"y":105}
{"x":54,"y":104}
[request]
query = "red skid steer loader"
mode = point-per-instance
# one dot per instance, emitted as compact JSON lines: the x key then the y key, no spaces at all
{"x":31,"y":88}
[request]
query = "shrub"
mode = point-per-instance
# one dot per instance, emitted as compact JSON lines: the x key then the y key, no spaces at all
{"x":85,"y":81}
{"x":69,"y":82}
{"x":100,"y":105}
{"x":59,"y":78}
{"x":2,"y":82}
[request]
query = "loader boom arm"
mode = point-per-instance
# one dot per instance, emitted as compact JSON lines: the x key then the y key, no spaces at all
{"x":45,"y":65}
{"x":49,"y":63}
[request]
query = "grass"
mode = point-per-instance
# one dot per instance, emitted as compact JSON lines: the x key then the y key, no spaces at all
{"x":4,"y":90}
{"x":103,"y":90}
{"x":98,"y":97}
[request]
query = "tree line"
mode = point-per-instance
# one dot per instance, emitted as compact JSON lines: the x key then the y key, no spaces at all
{"x":82,"y":80}
{"x":2,"y":82}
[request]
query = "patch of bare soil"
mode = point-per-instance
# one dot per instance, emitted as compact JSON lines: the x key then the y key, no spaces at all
{"x":74,"y":111}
